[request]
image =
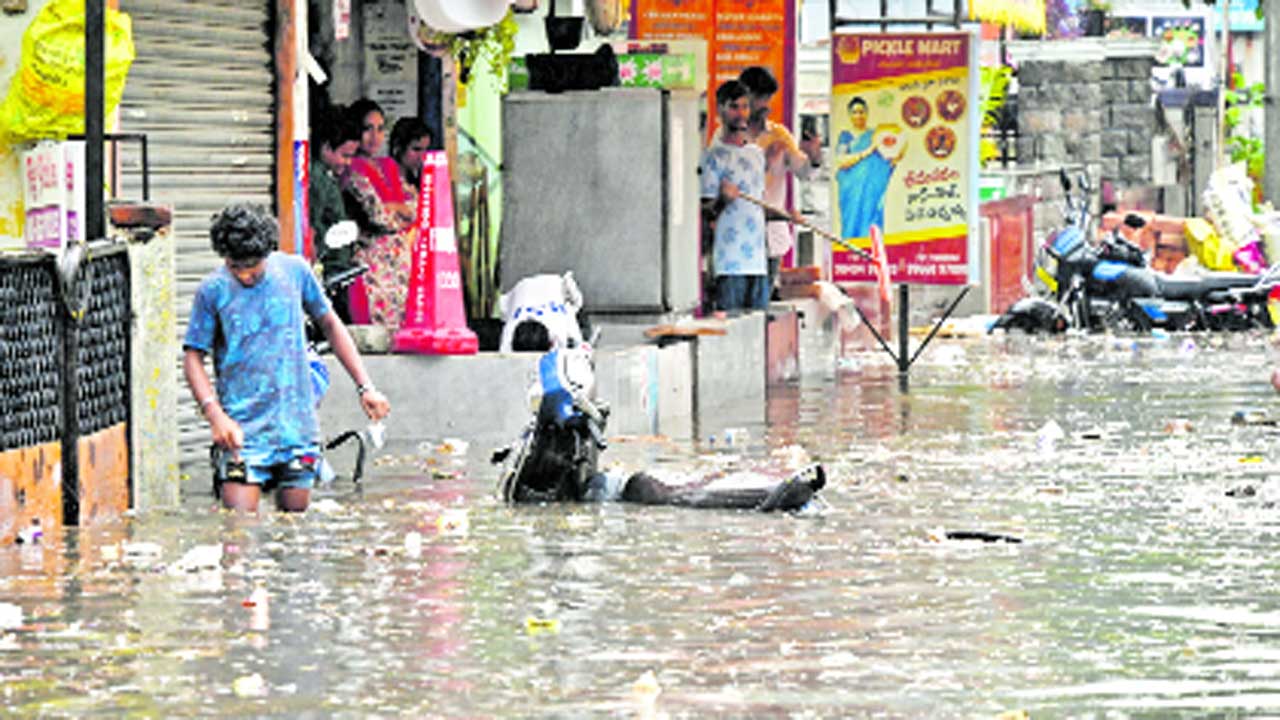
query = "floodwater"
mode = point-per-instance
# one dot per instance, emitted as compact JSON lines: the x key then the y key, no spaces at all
{"x":1143,"y":585}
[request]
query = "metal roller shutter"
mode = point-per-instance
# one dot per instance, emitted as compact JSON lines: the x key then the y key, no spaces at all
{"x":202,"y":89}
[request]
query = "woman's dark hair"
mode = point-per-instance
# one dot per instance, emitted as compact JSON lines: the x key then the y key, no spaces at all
{"x":361,"y":108}
{"x":405,"y":132}
{"x":244,"y":231}
{"x":857,"y":100}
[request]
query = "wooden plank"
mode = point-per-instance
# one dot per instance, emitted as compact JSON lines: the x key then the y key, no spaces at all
{"x":693,"y":329}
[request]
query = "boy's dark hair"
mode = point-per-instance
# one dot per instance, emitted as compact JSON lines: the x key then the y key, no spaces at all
{"x":405,"y":132}
{"x":530,"y":336}
{"x":334,"y":127}
{"x":244,"y":231}
{"x":729,"y":91}
{"x":759,"y":80}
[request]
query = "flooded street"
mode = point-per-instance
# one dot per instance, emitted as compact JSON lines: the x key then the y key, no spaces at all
{"x":1143,"y":585}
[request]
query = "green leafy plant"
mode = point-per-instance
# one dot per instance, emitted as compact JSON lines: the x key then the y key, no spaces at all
{"x":493,"y":46}
{"x":1243,"y":146}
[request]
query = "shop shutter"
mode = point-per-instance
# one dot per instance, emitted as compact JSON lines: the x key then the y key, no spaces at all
{"x":202,"y":89}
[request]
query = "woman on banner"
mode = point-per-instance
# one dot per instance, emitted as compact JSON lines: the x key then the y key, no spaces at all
{"x":862,"y":175}
{"x":379,"y":202}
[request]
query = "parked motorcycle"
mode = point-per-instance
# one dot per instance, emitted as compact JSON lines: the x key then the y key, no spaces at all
{"x":1109,"y":286}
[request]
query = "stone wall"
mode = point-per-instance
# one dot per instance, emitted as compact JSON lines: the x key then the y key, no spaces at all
{"x":1088,"y":103}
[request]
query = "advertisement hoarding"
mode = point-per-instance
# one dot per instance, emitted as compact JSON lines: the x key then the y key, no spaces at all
{"x":904,"y":132}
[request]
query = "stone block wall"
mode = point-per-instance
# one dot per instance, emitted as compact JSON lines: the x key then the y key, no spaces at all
{"x":1093,"y":110}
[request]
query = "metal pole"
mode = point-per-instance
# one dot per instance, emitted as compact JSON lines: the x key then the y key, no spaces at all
{"x":904,"y":329}
{"x":1271,"y":132}
{"x":94,"y":64}
{"x":1224,"y":82}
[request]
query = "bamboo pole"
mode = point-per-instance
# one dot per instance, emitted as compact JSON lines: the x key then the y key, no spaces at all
{"x":798,"y":220}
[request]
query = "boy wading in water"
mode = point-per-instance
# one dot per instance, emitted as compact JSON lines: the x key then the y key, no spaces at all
{"x":250,"y":314}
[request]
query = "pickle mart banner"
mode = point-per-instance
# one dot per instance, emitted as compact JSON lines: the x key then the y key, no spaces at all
{"x":904,"y":126}
{"x":739,"y":34}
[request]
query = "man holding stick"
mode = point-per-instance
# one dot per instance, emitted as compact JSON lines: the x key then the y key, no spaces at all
{"x":733,"y":166}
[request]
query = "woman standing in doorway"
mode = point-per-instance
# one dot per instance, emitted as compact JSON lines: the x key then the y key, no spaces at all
{"x":378,"y":201}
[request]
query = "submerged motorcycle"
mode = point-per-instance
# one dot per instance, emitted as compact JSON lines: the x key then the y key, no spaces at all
{"x":1109,"y":286}
{"x":556,"y":457}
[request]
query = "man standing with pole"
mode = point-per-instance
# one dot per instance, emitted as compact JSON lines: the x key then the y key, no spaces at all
{"x":733,"y":166}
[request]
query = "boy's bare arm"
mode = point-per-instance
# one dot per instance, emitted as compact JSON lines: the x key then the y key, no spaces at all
{"x":226,"y":432}
{"x":374,"y":403}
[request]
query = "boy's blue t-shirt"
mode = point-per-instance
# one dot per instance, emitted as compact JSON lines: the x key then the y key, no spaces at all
{"x":258,"y":341}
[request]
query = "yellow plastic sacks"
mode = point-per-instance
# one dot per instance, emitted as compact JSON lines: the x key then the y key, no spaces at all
{"x":46,"y":96}
{"x":1213,"y":251}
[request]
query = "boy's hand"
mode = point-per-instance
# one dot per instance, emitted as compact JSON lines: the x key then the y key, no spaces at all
{"x":227,"y":433}
{"x":375,"y":404}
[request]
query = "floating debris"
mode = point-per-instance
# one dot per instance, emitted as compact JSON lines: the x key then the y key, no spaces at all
{"x":142,"y":553}
{"x":453,"y":446}
{"x":199,"y":559}
{"x":939,"y":534}
{"x":453,"y":522}
{"x":1252,"y":416}
{"x":10,"y":616}
{"x":413,"y":544}
{"x":249,"y":686}
{"x":1093,"y":433}
{"x":536,"y":626}
{"x":31,"y":534}
{"x":327,"y":506}
{"x":646,"y":688}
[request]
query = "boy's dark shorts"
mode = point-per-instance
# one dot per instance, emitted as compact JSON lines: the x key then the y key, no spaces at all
{"x":300,"y":472}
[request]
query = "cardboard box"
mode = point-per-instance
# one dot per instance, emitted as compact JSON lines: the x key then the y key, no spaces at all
{"x":53,"y":193}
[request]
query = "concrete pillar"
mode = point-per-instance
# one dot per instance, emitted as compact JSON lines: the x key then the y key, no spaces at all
{"x":1272,"y":128}
{"x":154,"y":381}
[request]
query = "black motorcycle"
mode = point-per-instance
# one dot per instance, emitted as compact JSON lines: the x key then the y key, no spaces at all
{"x":1108,"y":286}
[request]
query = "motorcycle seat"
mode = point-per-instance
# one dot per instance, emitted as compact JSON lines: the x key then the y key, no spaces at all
{"x":1177,"y":287}
{"x":1180,"y":288}
{"x":1225,"y":280}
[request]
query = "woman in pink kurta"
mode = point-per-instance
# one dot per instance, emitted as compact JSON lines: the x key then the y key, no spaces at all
{"x":383,"y":207}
